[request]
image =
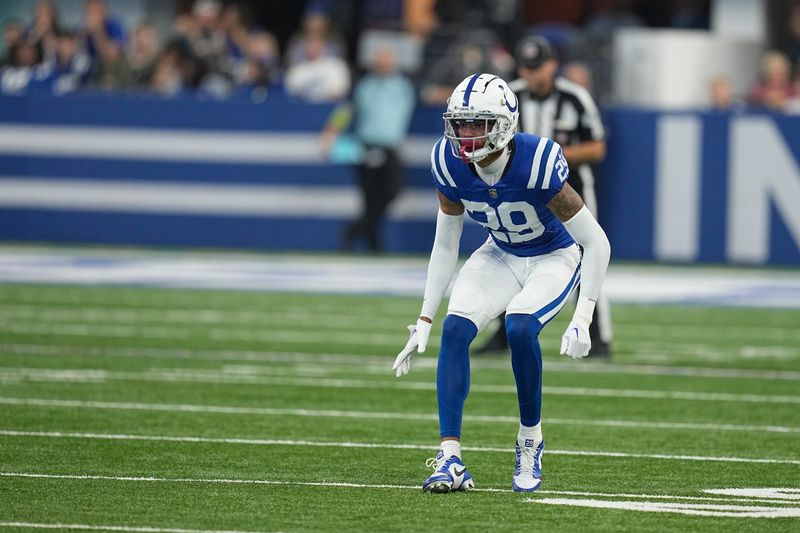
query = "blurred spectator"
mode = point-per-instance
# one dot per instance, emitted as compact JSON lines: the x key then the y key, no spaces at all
{"x":71,"y":66}
{"x":382,"y":14}
{"x":578,"y":72}
{"x":234,"y":31}
{"x":251,"y":56}
{"x":221,"y":51}
{"x":208,"y":41}
{"x":142,"y":55}
{"x":167,"y":79}
{"x":252,"y":73}
{"x":216,"y":50}
{"x":112,"y":68}
{"x":318,"y":77}
{"x":595,"y":44}
{"x":481,"y":51}
{"x":201,"y":34}
{"x":199,"y":46}
{"x":105,"y":41}
{"x":794,"y":30}
{"x":18,"y":75}
{"x":186,"y":28}
{"x":792,"y":107}
{"x":45,"y":29}
{"x":722,"y":95}
{"x":105,"y":36}
{"x":383,"y":103}
{"x":192,"y":69}
{"x":13,"y":36}
{"x":419,"y":17}
{"x":448,"y":26}
{"x":316,"y":26}
{"x":259,"y":66}
{"x":503,"y":18}
{"x":607,"y":17}
{"x":775,"y":88}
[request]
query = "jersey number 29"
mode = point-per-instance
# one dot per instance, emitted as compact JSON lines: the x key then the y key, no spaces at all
{"x":511,"y":222}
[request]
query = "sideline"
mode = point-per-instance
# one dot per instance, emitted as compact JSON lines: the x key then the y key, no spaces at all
{"x":400,"y":276}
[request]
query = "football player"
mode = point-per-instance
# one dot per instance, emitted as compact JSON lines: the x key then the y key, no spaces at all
{"x":515,"y":185}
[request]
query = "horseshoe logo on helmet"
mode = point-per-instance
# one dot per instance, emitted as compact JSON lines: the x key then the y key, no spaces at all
{"x":505,"y":99}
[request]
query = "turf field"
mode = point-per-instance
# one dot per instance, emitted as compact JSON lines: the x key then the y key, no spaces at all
{"x":176,"y":410}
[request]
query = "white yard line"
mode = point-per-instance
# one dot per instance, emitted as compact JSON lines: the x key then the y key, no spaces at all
{"x":116,"y":315}
{"x":221,"y":334}
{"x":272,"y":330}
{"x":383,"y":415}
{"x":188,"y":308}
{"x":387,"y":446}
{"x":201,"y":376}
{"x":668,"y":351}
{"x":784,"y":493}
{"x":357,"y":321}
{"x":380,"y":361}
{"x":334,"y":337}
{"x":693,"y":509}
{"x":343,"y":484}
{"x":181,"y":301}
{"x":699,"y":352}
{"x":135,"y":529}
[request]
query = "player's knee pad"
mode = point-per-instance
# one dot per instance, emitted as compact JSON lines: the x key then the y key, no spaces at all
{"x":521,"y":329}
{"x":459,"y":331}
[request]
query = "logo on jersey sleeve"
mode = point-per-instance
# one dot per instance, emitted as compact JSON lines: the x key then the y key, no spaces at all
{"x":562,"y":168}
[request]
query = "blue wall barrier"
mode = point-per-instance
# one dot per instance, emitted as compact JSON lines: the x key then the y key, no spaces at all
{"x":702,"y":187}
{"x":99,"y":168}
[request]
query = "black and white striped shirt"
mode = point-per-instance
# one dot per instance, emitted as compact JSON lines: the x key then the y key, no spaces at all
{"x":569,"y":116}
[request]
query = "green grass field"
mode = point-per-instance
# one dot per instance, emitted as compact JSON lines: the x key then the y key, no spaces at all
{"x":176,"y":410}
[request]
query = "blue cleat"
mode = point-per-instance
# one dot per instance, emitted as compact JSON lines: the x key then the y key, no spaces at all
{"x":450,"y":475}
{"x":528,"y":470}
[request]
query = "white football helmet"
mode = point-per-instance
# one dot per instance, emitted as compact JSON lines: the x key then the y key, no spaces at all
{"x":481,"y":100}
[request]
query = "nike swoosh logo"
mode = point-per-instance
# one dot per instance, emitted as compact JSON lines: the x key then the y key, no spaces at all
{"x":459,"y":473}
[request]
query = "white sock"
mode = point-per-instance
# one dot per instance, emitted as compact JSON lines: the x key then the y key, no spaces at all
{"x":528,"y":432}
{"x":451,"y":447}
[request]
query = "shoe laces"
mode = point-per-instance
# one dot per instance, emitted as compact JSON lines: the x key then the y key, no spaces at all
{"x":525,"y":459}
{"x":436,"y":462}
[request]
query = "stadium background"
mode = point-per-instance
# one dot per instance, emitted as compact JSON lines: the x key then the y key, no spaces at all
{"x":169,"y":364}
{"x":682,"y":181}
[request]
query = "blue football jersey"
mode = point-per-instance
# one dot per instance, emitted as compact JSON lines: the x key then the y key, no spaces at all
{"x":514,"y":209}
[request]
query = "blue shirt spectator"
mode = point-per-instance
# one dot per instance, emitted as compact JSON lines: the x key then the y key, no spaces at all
{"x":384,"y":102}
{"x":101,"y":30}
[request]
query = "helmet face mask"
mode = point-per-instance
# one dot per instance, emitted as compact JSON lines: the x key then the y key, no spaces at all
{"x":481,"y":117}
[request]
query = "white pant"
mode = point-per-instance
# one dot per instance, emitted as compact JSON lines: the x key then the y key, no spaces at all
{"x":493,"y":280}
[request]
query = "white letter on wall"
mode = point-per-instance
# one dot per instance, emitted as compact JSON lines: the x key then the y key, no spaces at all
{"x":677,"y":236}
{"x":762,"y":169}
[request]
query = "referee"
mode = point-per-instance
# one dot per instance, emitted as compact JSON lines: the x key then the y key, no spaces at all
{"x":554,"y":107}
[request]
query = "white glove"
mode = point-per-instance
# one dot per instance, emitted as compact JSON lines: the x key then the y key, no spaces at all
{"x":417,"y":341}
{"x":576,"y":342}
